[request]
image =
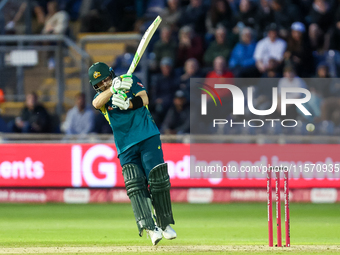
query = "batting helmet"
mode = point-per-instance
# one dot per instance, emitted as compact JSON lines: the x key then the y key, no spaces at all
{"x":99,"y":71}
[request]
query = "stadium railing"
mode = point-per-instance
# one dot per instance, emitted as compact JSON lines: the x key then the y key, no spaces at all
{"x":186,"y":138}
{"x":57,"y":44}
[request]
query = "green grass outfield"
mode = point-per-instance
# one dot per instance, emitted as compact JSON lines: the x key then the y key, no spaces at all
{"x":202,"y":229}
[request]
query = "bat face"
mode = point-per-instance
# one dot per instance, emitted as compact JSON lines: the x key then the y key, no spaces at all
{"x":144,"y":43}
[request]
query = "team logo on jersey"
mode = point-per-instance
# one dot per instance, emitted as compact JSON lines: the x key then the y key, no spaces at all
{"x":96,"y":75}
{"x":110,"y":108}
{"x":140,"y":84}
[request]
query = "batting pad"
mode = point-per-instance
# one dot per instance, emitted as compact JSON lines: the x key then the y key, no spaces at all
{"x":159,"y":182}
{"x":135,"y":184}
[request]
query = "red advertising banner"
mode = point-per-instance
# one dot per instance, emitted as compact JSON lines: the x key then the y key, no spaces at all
{"x":97,"y":165}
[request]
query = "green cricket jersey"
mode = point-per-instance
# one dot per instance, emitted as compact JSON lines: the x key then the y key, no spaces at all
{"x":129,"y":126}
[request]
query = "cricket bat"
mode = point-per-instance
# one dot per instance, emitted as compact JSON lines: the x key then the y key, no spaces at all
{"x":144,"y":43}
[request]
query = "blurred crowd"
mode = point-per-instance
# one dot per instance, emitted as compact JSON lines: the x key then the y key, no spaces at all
{"x":283,"y":39}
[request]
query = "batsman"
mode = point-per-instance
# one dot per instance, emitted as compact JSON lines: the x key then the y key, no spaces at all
{"x":123,"y":101}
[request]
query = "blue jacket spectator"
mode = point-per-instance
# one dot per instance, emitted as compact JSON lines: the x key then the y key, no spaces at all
{"x":242,"y":55}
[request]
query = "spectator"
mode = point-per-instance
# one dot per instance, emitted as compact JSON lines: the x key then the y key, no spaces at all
{"x":322,"y":71}
{"x":220,"y":73}
{"x":39,"y":9}
{"x":320,"y":20}
{"x":220,"y":69}
{"x":177,"y":119}
{"x":219,"y":47}
{"x":290,"y":80}
{"x":320,"y":88}
{"x":284,"y":15}
{"x":14,"y":11}
{"x":165,"y":47}
{"x":264,"y":16}
{"x":246,"y":15}
{"x":163,"y":87}
{"x":191,"y":70}
{"x":272,"y":70}
{"x":299,"y":53}
{"x":194,"y":15}
{"x":321,"y":83}
{"x":190,"y":46}
{"x":56,"y":21}
{"x":271,"y":47}
{"x":80,"y":119}
{"x":171,"y":15}
{"x":33,"y":118}
{"x":219,"y":14}
{"x":242,"y":61}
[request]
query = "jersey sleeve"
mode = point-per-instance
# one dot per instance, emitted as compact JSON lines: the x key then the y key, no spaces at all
{"x":137,"y":85}
{"x":95,"y":95}
{"x":103,"y":108}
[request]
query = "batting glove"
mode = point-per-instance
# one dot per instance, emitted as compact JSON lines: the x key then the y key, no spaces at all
{"x":123,"y":82}
{"x":120,"y":100}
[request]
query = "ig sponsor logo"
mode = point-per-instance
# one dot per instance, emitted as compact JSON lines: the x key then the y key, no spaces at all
{"x":82,"y":167}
